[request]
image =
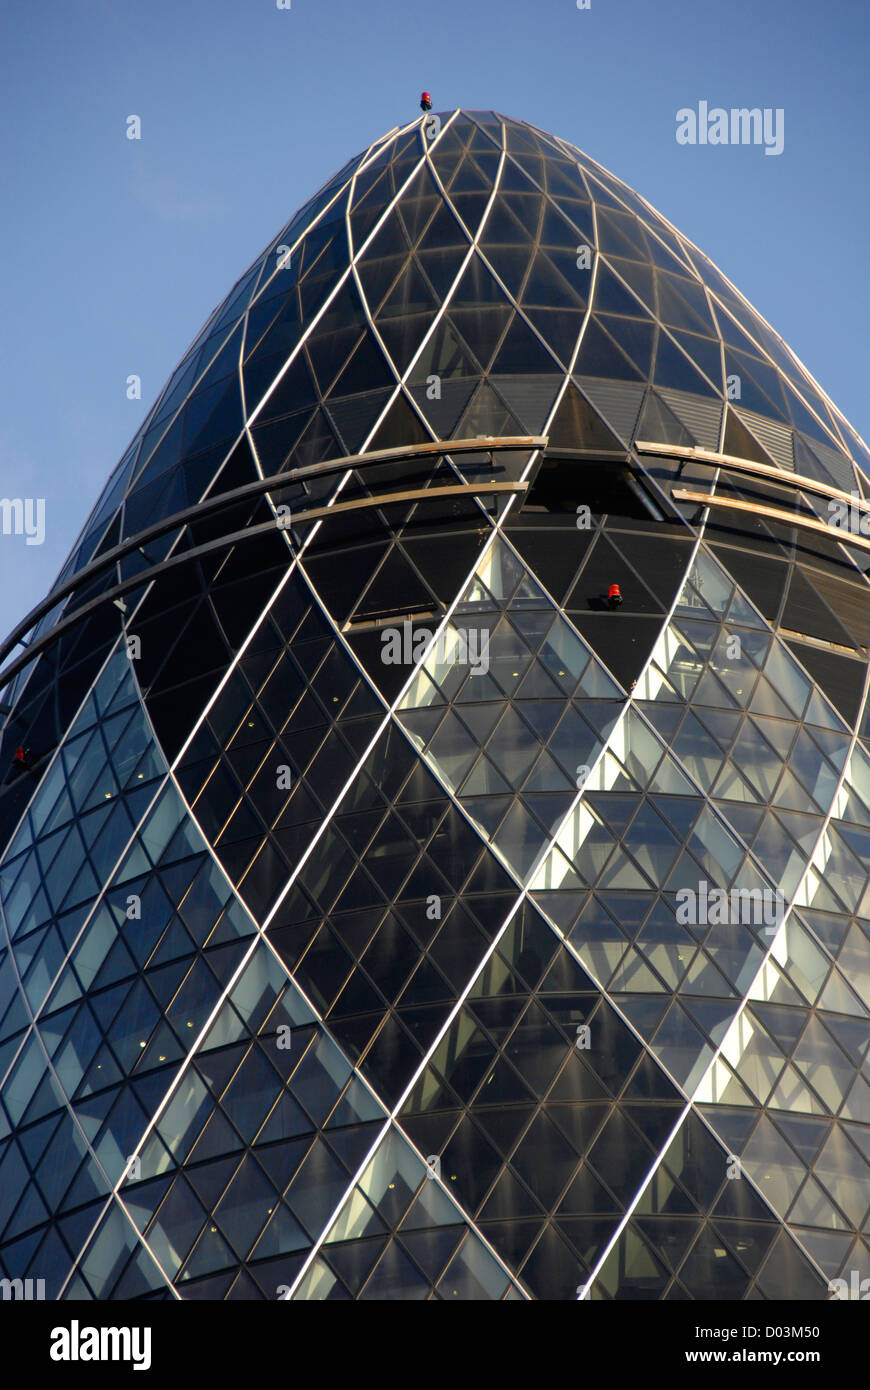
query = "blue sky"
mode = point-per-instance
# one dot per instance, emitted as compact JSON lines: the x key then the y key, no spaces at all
{"x":115,"y":252}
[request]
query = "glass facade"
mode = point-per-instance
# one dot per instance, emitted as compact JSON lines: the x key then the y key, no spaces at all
{"x":440,"y":863}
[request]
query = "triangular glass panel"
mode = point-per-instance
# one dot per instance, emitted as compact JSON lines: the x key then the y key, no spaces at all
{"x":577,"y":426}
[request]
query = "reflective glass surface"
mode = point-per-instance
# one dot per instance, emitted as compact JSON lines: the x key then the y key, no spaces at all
{"x":446,"y":875}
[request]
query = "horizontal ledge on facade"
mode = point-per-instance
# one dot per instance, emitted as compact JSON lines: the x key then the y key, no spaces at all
{"x":386,"y":499}
{"x":804,"y":523}
{"x":760,"y":470}
{"x":405,"y":615}
{"x":857,"y":653}
{"x":477,"y":444}
{"x":142,"y":577}
{"x":588,"y":455}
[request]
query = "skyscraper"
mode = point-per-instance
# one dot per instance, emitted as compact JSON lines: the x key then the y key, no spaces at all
{"x":435,"y":822}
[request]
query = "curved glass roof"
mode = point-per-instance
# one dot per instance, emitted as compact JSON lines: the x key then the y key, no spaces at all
{"x":478,"y":249}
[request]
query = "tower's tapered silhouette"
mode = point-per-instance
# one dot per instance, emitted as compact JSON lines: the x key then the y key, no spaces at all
{"x":435,"y":816}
